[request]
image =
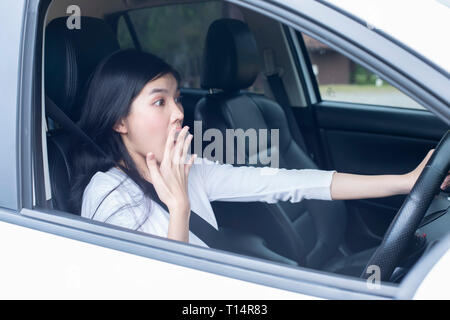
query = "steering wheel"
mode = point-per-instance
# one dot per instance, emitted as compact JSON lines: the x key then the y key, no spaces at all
{"x":402,"y":228}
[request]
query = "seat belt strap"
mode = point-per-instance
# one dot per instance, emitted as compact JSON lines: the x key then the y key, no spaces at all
{"x":280,"y":95}
{"x":58,"y":115}
{"x":197,"y":225}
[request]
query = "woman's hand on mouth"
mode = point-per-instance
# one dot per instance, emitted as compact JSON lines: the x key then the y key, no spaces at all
{"x":170,"y":181}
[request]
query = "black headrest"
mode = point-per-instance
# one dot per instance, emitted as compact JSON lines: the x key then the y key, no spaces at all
{"x":70,"y":57}
{"x":230,"y":58}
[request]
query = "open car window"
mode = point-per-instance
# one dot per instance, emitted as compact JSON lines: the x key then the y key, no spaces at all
{"x":340,"y":79}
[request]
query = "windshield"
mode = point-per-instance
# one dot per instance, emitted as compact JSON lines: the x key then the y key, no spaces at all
{"x":421,"y":25}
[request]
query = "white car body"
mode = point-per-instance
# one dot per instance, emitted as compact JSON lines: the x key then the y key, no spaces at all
{"x":47,"y":266}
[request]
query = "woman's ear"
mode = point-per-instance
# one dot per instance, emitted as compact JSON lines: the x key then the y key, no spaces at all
{"x":121,"y":127}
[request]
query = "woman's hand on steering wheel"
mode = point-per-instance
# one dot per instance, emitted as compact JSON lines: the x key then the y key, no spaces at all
{"x":431,"y":173}
{"x":414,"y":175}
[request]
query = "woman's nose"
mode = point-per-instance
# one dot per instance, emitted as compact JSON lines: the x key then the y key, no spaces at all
{"x":177,"y":113}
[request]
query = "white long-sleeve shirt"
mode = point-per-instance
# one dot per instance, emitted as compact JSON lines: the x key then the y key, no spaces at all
{"x":112,"y":197}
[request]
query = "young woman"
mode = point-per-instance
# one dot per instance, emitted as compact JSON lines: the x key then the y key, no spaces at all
{"x":132,"y":111}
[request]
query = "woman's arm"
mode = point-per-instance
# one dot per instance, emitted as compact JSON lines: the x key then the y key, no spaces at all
{"x":345,"y":186}
{"x":224,"y":182}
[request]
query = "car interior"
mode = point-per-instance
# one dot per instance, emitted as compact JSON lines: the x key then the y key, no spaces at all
{"x":253,"y":72}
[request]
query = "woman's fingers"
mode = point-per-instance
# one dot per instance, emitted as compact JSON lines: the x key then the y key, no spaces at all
{"x":168,"y":150}
{"x":170,"y":177}
{"x":446,"y":182}
{"x":185,"y":160}
{"x":155,"y":175}
{"x":178,"y":151}
{"x":187,"y":144}
{"x":189,"y":164}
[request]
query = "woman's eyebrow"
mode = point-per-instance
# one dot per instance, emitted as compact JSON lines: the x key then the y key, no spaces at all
{"x":157,"y":90}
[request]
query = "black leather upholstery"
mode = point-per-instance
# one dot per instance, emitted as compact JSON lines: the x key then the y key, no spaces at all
{"x":308,"y":232}
{"x":229,"y":58}
{"x":70,"y":58}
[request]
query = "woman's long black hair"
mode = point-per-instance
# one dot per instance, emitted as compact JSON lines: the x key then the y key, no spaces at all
{"x":114,"y":84}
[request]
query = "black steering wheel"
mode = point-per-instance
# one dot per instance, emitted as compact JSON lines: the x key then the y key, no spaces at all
{"x":401,"y":230}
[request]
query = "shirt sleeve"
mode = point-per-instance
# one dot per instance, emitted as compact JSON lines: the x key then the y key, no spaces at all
{"x":228,"y":183}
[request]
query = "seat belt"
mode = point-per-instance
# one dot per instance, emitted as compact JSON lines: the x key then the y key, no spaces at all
{"x":280,"y":95}
{"x":58,"y":115}
{"x":202,"y":229}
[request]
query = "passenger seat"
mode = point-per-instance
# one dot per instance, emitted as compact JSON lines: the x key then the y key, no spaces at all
{"x":309,"y":232}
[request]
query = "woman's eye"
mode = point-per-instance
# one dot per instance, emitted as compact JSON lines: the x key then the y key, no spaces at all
{"x":159,"y":102}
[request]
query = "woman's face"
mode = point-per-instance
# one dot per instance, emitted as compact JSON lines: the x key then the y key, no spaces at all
{"x":152,"y":114}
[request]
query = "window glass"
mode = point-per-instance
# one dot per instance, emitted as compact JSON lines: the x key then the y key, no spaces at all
{"x":177,"y":34}
{"x":341,"y":79}
{"x":123,"y":35}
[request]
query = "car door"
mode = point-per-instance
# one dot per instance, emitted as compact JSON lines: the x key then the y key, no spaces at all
{"x":52,"y":252}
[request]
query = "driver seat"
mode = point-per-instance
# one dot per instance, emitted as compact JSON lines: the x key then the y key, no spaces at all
{"x":309,"y":232}
{"x":71,"y":55}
